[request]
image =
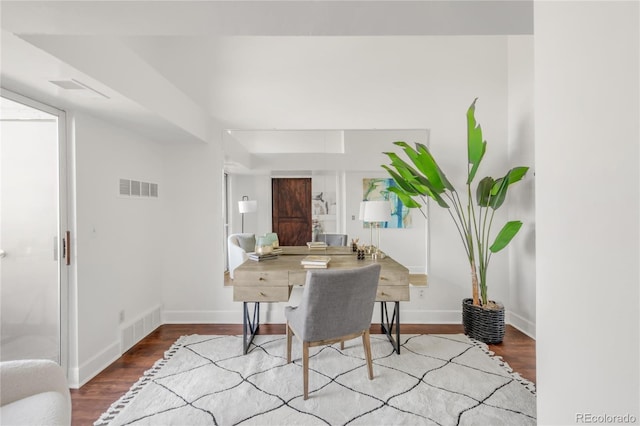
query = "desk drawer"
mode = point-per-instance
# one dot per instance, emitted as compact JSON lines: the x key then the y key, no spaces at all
{"x":255,"y":278}
{"x":261,"y":294}
{"x":392,"y":293}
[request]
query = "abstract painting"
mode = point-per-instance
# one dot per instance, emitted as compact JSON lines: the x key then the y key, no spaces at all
{"x":375,"y":189}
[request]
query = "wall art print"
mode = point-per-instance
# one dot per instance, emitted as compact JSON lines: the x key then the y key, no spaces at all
{"x":374,"y":189}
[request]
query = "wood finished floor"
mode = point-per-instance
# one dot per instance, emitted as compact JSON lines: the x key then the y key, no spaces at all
{"x":92,"y":399}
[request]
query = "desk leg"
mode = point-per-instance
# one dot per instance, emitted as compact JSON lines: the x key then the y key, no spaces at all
{"x":387,"y":324}
{"x":249,"y":327}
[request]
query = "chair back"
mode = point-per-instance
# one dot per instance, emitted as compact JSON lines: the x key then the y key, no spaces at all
{"x":338,"y":302}
{"x":333,"y":239}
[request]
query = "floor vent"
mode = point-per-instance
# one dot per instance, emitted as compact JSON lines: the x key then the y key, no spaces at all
{"x":137,"y":189}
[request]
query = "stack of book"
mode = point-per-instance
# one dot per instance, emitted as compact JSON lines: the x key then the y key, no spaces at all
{"x":259,"y":257}
{"x":317,"y":245}
{"x":315,"y":262}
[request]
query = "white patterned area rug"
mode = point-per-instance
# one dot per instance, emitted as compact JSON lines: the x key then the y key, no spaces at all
{"x":436,"y":380}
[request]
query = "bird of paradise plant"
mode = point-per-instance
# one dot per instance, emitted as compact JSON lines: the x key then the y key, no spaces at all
{"x":424,"y":179}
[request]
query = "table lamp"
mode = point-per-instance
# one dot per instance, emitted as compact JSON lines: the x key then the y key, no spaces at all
{"x":377,"y":212}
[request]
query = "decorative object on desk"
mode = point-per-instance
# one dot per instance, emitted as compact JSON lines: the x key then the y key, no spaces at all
{"x":377,"y":189}
{"x":204,"y":380}
{"x":272,"y":237}
{"x":360,"y":253}
{"x":377,"y":212}
{"x":473,"y":220}
{"x":247,"y":206}
{"x":354,"y":244}
{"x":314,"y":261}
{"x":263,"y":245}
{"x":260,"y":257}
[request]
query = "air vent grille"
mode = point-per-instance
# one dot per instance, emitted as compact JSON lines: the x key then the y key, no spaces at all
{"x":137,"y":189}
{"x":125,"y":187}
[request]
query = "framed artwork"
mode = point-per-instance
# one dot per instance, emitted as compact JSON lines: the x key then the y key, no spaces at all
{"x":375,"y":189}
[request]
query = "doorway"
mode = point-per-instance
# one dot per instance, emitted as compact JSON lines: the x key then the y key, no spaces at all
{"x":291,"y":210}
{"x":33,"y":271}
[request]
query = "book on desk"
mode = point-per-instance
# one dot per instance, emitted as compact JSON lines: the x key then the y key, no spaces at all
{"x":317,"y":245}
{"x":260,"y":257}
{"x":315,"y":262}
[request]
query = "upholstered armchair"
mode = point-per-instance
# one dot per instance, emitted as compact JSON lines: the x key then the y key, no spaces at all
{"x":238,"y":245}
{"x":336,"y":305}
{"x":34,"y":392}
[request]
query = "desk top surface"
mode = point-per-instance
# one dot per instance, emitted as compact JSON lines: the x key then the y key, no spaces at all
{"x":341,"y":257}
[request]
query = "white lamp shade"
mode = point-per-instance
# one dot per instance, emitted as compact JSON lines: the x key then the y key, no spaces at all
{"x":377,"y":211}
{"x":247,"y":206}
{"x":362,"y":205}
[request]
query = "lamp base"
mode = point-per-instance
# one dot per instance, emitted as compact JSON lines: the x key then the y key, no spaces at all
{"x":378,"y":255}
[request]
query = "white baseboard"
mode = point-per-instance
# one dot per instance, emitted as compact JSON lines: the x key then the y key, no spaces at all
{"x":88,"y":370}
{"x":206,"y":317}
{"x":522,"y":324}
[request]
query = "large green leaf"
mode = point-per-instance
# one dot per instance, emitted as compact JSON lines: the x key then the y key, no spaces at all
{"x":506,"y":234}
{"x":406,"y":199}
{"x":501,"y":186}
{"x":401,"y":182}
{"x":501,"y":194}
{"x":483,"y":193}
{"x":517,"y":173}
{"x":476,"y":147}
{"x":427,"y":165}
{"x":424,"y":151}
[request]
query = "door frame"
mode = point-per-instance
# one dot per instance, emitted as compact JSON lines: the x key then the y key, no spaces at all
{"x":63,"y":220}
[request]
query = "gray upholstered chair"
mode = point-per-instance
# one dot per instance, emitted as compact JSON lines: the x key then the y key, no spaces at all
{"x":336,"y":305}
{"x":333,"y":239}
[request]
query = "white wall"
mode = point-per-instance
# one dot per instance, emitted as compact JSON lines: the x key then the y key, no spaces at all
{"x":587,"y":207}
{"x":120,"y":242}
{"x":193,"y":271}
{"x":521,"y":205}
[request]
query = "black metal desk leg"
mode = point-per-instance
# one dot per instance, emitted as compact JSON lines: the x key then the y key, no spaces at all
{"x":387,"y":324}
{"x":249,"y":326}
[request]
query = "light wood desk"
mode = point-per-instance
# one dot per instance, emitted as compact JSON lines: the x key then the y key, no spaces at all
{"x":272,"y":281}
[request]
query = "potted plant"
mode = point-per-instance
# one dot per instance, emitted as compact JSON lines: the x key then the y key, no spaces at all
{"x":422,"y":178}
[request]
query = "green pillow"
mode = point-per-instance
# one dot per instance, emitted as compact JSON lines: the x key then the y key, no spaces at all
{"x":247,"y":242}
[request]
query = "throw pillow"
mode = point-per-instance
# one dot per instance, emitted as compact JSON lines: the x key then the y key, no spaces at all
{"x":247,"y":242}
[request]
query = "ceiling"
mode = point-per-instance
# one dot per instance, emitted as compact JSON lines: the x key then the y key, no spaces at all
{"x":184,"y":70}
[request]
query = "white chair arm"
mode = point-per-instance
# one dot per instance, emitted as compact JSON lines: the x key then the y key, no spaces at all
{"x":22,"y":378}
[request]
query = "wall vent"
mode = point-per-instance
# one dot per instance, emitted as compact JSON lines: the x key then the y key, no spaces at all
{"x":125,"y":187}
{"x":137,"y":188}
{"x":133,"y":332}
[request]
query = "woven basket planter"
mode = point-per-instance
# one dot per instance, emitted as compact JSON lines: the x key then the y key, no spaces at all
{"x":485,"y":325}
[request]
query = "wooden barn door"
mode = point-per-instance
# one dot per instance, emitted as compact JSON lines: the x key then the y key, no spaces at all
{"x":291,"y":201}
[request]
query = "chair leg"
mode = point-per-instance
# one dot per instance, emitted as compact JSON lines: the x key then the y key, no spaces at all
{"x":289,"y":335}
{"x":305,"y":368}
{"x":366,"y":342}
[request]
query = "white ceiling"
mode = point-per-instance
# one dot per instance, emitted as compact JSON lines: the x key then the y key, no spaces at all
{"x":181,"y":70}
